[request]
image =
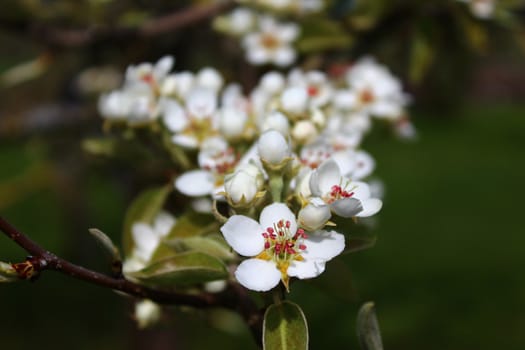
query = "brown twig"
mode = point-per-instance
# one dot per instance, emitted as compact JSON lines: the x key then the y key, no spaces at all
{"x":234,"y":298}
{"x":62,"y":37}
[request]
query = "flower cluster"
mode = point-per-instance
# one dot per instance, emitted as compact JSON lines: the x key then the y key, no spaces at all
{"x":285,"y":159}
{"x":265,"y":39}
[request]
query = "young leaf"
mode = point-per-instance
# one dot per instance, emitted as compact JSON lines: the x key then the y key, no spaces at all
{"x":284,"y":327}
{"x":7,"y":273}
{"x":109,"y":248}
{"x":193,"y":224}
{"x":213,"y":245}
{"x":182,"y":269}
{"x":143,"y":209}
{"x":368,"y":328}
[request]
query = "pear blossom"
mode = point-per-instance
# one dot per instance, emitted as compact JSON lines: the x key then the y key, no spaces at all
{"x":146,"y":239}
{"x":216,"y":159}
{"x":272,"y":43}
{"x":150,"y":74}
{"x":346,"y":198}
{"x":373,"y":89}
{"x":278,"y":248}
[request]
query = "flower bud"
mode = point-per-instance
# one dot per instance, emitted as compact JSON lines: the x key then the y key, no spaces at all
{"x":241,"y":187}
{"x":215,"y":286}
{"x":294,"y":100}
{"x":314,"y":216}
{"x":147,"y":313}
{"x":304,"y":132}
{"x":272,"y":82}
{"x":272,"y":147}
{"x":210,"y":78}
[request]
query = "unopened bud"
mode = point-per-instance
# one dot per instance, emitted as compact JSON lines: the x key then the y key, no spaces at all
{"x":272,"y":147}
{"x":314,"y":216}
{"x":147,"y":313}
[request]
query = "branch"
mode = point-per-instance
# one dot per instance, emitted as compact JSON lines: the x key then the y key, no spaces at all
{"x":61,"y":37}
{"x":234,"y":298}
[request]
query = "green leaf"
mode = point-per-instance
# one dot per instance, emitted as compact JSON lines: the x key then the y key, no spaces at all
{"x":368,"y":328}
{"x":182,"y":269}
{"x":7,"y":273}
{"x":322,"y":34}
{"x":143,"y":209}
{"x":421,"y":56}
{"x":213,"y":245}
{"x":284,"y":327}
{"x":193,"y":224}
{"x":109,"y":248}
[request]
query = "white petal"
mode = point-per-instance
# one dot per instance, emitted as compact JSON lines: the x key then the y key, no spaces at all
{"x":347,"y":207}
{"x":186,"y":141}
{"x":306,"y":268}
{"x":324,"y":177}
{"x":284,"y":56}
{"x":174,"y":115}
{"x":195,"y":183}
{"x":275,"y":212}
{"x":244,"y":235}
{"x":163,"y":223}
{"x":364,"y":166}
{"x":323,"y":245}
{"x":361,"y":190}
{"x":370,"y":207}
{"x":146,"y":240}
{"x":259,"y":275}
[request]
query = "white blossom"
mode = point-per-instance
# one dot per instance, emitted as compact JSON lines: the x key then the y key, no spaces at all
{"x":278,"y":248}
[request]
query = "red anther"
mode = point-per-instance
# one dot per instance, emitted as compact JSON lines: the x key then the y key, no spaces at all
{"x":312,"y":90}
{"x":305,"y":235}
{"x":277,"y":248}
{"x":265,"y":235}
{"x":302,"y":246}
{"x":148,"y":78}
{"x":280,"y":224}
{"x":300,"y":231}
{"x":288,"y":224}
{"x":273,"y":236}
{"x":266,"y":245}
{"x":269,"y":230}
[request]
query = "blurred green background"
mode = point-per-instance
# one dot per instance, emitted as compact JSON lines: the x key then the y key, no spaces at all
{"x":447,"y":268}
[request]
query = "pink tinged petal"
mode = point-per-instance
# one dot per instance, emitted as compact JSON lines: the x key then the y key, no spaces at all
{"x":347,"y":207}
{"x":244,"y":235}
{"x":275,"y":212}
{"x":370,"y":207}
{"x":365,"y":165}
{"x":324,"y":177}
{"x":258,"y":275}
{"x":195,"y":183}
{"x":306,"y":269}
{"x":323,"y":245}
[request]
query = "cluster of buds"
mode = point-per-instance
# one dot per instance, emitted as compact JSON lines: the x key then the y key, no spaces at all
{"x":284,"y":158}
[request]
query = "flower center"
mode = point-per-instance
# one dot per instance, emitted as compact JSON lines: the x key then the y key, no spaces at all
{"x":339,"y":192}
{"x":270,"y":41}
{"x":313,"y":158}
{"x":283,"y":246}
{"x":222,"y":162}
{"x":366,"y":96}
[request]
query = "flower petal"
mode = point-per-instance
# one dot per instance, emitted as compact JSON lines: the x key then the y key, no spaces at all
{"x":306,"y":268}
{"x":323,"y":245}
{"x":195,"y":183}
{"x":324,"y":177}
{"x":347,"y":207}
{"x":275,"y":212}
{"x":259,"y":275}
{"x":370,"y":207}
{"x":244,"y":235}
